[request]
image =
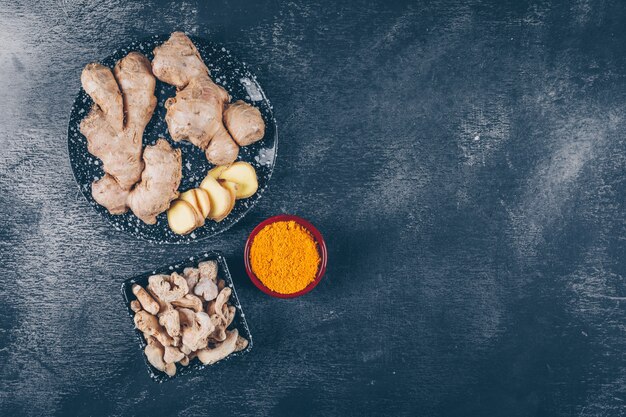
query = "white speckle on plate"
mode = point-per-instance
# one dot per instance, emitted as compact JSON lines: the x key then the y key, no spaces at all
{"x":251,"y":89}
{"x":265,"y":156}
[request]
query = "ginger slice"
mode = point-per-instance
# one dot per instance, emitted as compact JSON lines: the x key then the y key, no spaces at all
{"x":221,"y":198}
{"x":191,"y":197}
{"x":244,"y":175}
{"x":202,"y":197}
{"x":182,"y":217}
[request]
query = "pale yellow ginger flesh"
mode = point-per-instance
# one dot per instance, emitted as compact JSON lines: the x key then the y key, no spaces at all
{"x":232,"y":190}
{"x":199,"y":200}
{"x":183,"y":218}
{"x":222,"y":199}
{"x":203,"y":200}
{"x":215,"y":198}
{"x":241,"y":173}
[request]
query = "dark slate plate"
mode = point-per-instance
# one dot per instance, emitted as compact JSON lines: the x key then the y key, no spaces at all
{"x":238,"y":323}
{"x":240,"y":83}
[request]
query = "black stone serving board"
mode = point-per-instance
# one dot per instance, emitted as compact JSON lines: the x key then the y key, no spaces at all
{"x":227,"y":71}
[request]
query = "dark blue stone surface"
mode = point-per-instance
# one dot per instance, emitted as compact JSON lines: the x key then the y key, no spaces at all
{"x":464,"y":160}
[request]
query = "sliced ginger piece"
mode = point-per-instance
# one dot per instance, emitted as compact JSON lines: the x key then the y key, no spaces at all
{"x":232,"y":189}
{"x":204,"y":202}
{"x":221,"y":198}
{"x":215,"y":172}
{"x":199,"y":200}
{"x":190,"y":197}
{"x":244,"y":175}
{"x":182,"y":217}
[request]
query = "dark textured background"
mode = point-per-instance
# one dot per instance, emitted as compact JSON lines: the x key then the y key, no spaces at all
{"x":465,"y":161}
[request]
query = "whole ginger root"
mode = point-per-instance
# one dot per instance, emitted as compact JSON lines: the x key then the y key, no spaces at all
{"x":128,"y":91}
{"x":124,"y":102}
{"x":159,"y":182}
{"x":158,"y":187}
{"x":196,"y":113}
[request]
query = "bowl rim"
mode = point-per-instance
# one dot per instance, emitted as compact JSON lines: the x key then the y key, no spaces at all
{"x":319,"y":239}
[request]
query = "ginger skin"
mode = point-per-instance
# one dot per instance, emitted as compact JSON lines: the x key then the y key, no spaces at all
{"x":124,"y":102}
{"x":244,"y":122}
{"x":159,"y":182}
{"x":195,"y":113}
{"x":128,"y":89}
{"x":152,"y":196}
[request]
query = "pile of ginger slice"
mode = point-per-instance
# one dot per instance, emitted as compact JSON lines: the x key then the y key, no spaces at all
{"x":146,"y":181}
{"x":186,"y":316}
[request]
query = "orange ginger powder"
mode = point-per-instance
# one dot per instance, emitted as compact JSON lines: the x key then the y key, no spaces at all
{"x":284,"y":257}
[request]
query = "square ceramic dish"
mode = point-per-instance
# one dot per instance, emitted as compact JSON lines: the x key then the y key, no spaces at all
{"x":238,"y":323}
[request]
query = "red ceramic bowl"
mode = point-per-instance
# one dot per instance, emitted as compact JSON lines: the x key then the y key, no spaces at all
{"x":321,"y":246}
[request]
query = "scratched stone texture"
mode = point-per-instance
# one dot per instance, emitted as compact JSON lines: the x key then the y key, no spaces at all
{"x":464,"y":159}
